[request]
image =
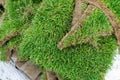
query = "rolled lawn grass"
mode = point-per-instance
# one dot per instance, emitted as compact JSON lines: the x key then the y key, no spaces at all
{"x":51,"y":20}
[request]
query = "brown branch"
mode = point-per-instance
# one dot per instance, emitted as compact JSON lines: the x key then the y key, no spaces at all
{"x":76,"y":25}
{"x":77,"y":11}
{"x":112,"y":18}
{"x":8,"y":37}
